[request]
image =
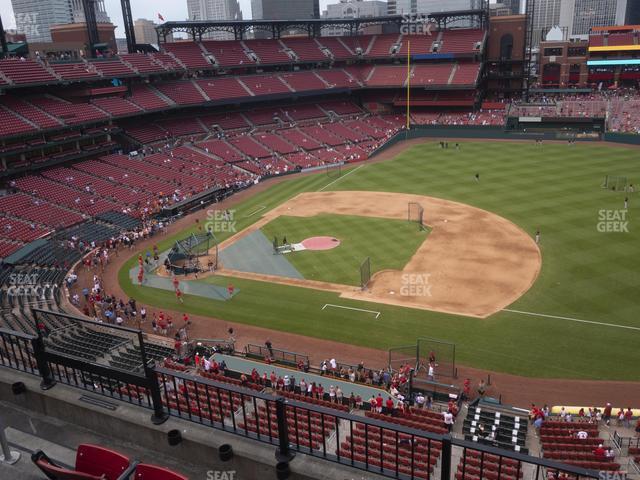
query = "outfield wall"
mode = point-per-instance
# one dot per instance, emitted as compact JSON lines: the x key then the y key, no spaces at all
{"x":472,"y":132}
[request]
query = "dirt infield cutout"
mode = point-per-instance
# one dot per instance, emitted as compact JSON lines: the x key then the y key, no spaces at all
{"x":474,"y":262}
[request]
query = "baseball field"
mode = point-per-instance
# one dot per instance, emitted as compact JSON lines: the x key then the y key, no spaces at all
{"x":564,"y":308}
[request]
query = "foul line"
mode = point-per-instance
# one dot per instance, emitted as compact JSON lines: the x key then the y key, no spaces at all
{"x":627,"y":327}
{"x":351,"y":308}
{"x":340,"y":178}
{"x":253,"y":213}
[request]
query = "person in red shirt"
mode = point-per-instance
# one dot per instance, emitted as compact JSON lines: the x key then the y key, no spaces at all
{"x":467,"y":388}
{"x":185,"y":319}
{"x":140,"y":276}
{"x":176,"y":282}
{"x":320,"y":392}
{"x":179,"y":295}
{"x":600,"y":453}
{"x":628,"y":415}
{"x":389,"y":406}
{"x":231,"y":289}
{"x":379,"y":403}
{"x":273,"y":379}
{"x":606,"y":414}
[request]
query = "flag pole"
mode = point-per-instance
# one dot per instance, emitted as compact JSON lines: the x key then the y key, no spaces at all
{"x":408,"y":83}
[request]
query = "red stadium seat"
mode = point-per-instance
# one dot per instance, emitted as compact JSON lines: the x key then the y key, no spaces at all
{"x":152,"y":472}
{"x":92,"y":463}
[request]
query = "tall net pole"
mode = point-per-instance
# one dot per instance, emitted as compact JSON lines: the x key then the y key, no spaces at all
{"x":408,"y":84}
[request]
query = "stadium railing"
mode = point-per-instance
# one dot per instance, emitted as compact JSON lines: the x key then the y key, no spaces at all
{"x":375,"y":446}
{"x":279,"y":356}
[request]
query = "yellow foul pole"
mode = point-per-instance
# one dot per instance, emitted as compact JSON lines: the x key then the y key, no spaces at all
{"x":408,"y":83}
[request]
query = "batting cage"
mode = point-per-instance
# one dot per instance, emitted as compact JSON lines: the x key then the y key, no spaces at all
{"x":399,"y":356}
{"x":444,"y":353}
{"x":415,"y":214}
{"x":365,"y":273}
{"x":615,"y":183}
{"x":420,"y":354}
{"x":194,"y":253}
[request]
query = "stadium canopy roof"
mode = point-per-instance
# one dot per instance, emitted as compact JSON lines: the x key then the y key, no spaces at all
{"x":313,"y":27}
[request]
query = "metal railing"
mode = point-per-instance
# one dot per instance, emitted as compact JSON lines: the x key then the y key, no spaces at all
{"x":16,"y":351}
{"x":294,"y":427}
{"x":278,"y":356}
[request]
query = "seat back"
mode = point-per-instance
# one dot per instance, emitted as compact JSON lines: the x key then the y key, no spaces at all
{"x":55,"y":472}
{"x":98,"y":461}
{"x":152,"y":472}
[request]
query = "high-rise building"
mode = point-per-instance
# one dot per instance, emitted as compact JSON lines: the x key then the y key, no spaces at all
{"x":632,"y":16}
{"x":546,"y":15}
{"x":34,"y":18}
{"x":285,"y":9}
{"x":145,"y":31}
{"x":352,"y":9}
{"x":100,"y":11}
{"x":579,"y":16}
{"x":420,"y":7}
{"x":512,"y":5}
{"x":213,"y":10}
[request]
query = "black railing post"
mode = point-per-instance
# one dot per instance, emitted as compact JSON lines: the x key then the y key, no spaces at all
{"x":445,"y":470}
{"x":160,"y":415}
{"x":43,"y":366}
{"x":283,"y":453}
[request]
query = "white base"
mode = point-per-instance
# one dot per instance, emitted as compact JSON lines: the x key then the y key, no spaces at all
{"x":15,"y":456}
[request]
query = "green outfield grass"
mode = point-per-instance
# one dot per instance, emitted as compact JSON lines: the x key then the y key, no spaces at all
{"x":389,"y":243}
{"x":586,"y":274}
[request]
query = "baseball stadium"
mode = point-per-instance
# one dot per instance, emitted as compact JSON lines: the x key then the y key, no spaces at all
{"x":395,"y":246}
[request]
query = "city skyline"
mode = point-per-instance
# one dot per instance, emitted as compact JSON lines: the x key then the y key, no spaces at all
{"x":147,"y":9}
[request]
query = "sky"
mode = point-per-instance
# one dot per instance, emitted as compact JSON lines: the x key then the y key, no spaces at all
{"x":149,"y":9}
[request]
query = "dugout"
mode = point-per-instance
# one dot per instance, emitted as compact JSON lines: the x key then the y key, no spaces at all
{"x":564,"y":128}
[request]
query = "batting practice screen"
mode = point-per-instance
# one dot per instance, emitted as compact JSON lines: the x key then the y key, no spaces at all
{"x":365,"y":273}
{"x":415,"y":214}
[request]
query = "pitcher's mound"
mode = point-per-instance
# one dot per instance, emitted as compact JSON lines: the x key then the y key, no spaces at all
{"x":320,"y":243}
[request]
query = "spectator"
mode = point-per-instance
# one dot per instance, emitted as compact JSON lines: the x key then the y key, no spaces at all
{"x":600,"y":453}
{"x":482,"y":389}
{"x":448,"y":420}
{"x":389,"y":405}
{"x":628,"y":415}
{"x":606,"y":414}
